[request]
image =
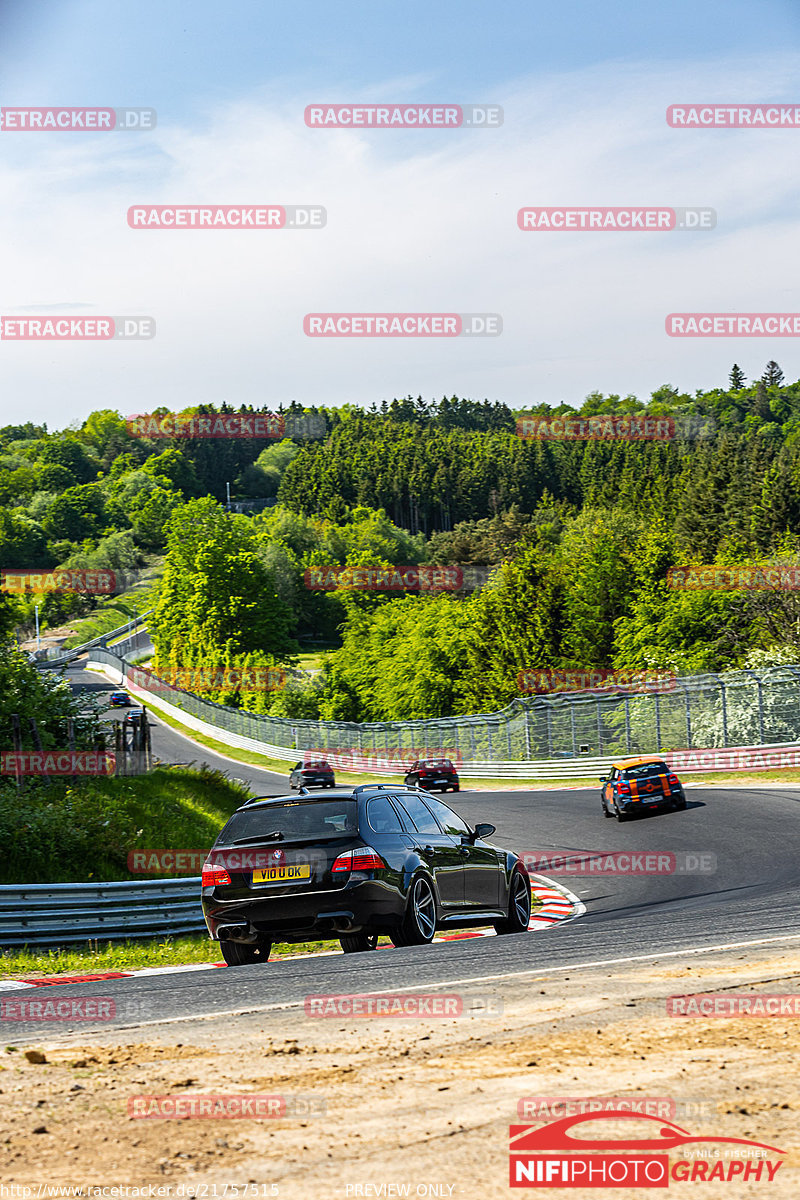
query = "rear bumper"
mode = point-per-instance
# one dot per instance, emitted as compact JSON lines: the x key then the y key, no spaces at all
{"x":304,"y":916}
{"x":645,"y":803}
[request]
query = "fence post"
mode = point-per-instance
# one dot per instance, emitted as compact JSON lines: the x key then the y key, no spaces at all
{"x":549,"y":731}
{"x":627,"y":724}
{"x":599,"y":729}
{"x":527,"y":734}
{"x":688,"y":719}
{"x":16,"y":734}
{"x":657,"y":699}
{"x":71,"y":739}
{"x":572,"y":723}
{"x":760,"y":710}
{"x":37,"y":741}
{"x":724,"y":698}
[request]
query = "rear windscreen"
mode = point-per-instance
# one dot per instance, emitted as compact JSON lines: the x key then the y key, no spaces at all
{"x":443,"y":764}
{"x":316,"y":766}
{"x":293,"y":819}
{"x":646,"y":770}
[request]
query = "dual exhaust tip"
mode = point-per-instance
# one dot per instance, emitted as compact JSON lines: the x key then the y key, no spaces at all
{"x":333,"y":922}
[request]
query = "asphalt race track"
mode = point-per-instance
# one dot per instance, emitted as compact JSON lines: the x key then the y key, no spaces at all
{"x":751,"y":896}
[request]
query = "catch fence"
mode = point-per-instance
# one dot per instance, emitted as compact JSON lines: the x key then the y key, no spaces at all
{"x":737,"y":708}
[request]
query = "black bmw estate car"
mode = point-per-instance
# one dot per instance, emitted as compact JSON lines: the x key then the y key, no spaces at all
{"x":356,"y":864}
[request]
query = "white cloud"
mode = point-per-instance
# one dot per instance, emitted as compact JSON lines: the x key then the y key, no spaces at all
{"x":416,"y":222}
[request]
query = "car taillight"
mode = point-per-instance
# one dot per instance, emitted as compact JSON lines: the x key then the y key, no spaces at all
{"x":214,"y":876}
{"x":363,"y":859}
{"x":673,"y":779}
{"x":625,"y":788}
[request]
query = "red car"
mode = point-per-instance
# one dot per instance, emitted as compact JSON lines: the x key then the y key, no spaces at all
{"x":429,"y":773}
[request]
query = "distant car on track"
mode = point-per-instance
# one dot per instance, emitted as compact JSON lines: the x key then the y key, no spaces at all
{"x":356,"y":864}
{"x":119,"y":700}
{"x":432,"y":773}
{"x":638,"y":785}
{"x":133,"y":714}
{"x":312,"y":774}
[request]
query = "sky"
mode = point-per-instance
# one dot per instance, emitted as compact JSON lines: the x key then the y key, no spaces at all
{"x":417,"y":220}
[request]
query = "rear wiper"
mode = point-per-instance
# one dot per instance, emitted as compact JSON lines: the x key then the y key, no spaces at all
{"x":275,"y":836}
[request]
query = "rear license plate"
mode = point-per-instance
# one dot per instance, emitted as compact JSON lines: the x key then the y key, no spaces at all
{"x":285,"y":874}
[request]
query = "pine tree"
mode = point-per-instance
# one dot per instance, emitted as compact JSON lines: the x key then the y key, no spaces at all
{"x":736,"y":379}
{"x":773,"y":375}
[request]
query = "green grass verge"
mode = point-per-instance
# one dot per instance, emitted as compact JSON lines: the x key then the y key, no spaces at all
{"x":97,"y":957}
{"x":114,"y":611}
{"x":110,"y":614}
{"x":83,"y":832}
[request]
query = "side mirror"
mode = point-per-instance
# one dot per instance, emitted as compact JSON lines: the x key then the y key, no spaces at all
{"x":604,"y":779}
{"x":483,"y":830}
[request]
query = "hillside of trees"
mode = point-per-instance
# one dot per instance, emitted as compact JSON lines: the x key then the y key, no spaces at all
{"x":579,"y":536}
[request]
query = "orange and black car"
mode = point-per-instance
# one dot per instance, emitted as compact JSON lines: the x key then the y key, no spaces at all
{"x":637,"y":785}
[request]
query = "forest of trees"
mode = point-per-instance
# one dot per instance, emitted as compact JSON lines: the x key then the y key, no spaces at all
{"x":579,"y":535}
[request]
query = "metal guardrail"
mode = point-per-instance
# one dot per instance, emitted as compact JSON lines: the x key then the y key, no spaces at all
{"x":104,"y":638}
{"x":50,"y":914}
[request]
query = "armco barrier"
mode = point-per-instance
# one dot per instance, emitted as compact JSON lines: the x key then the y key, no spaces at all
{"x":50,"y":914}
{"x":103,"y":640}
